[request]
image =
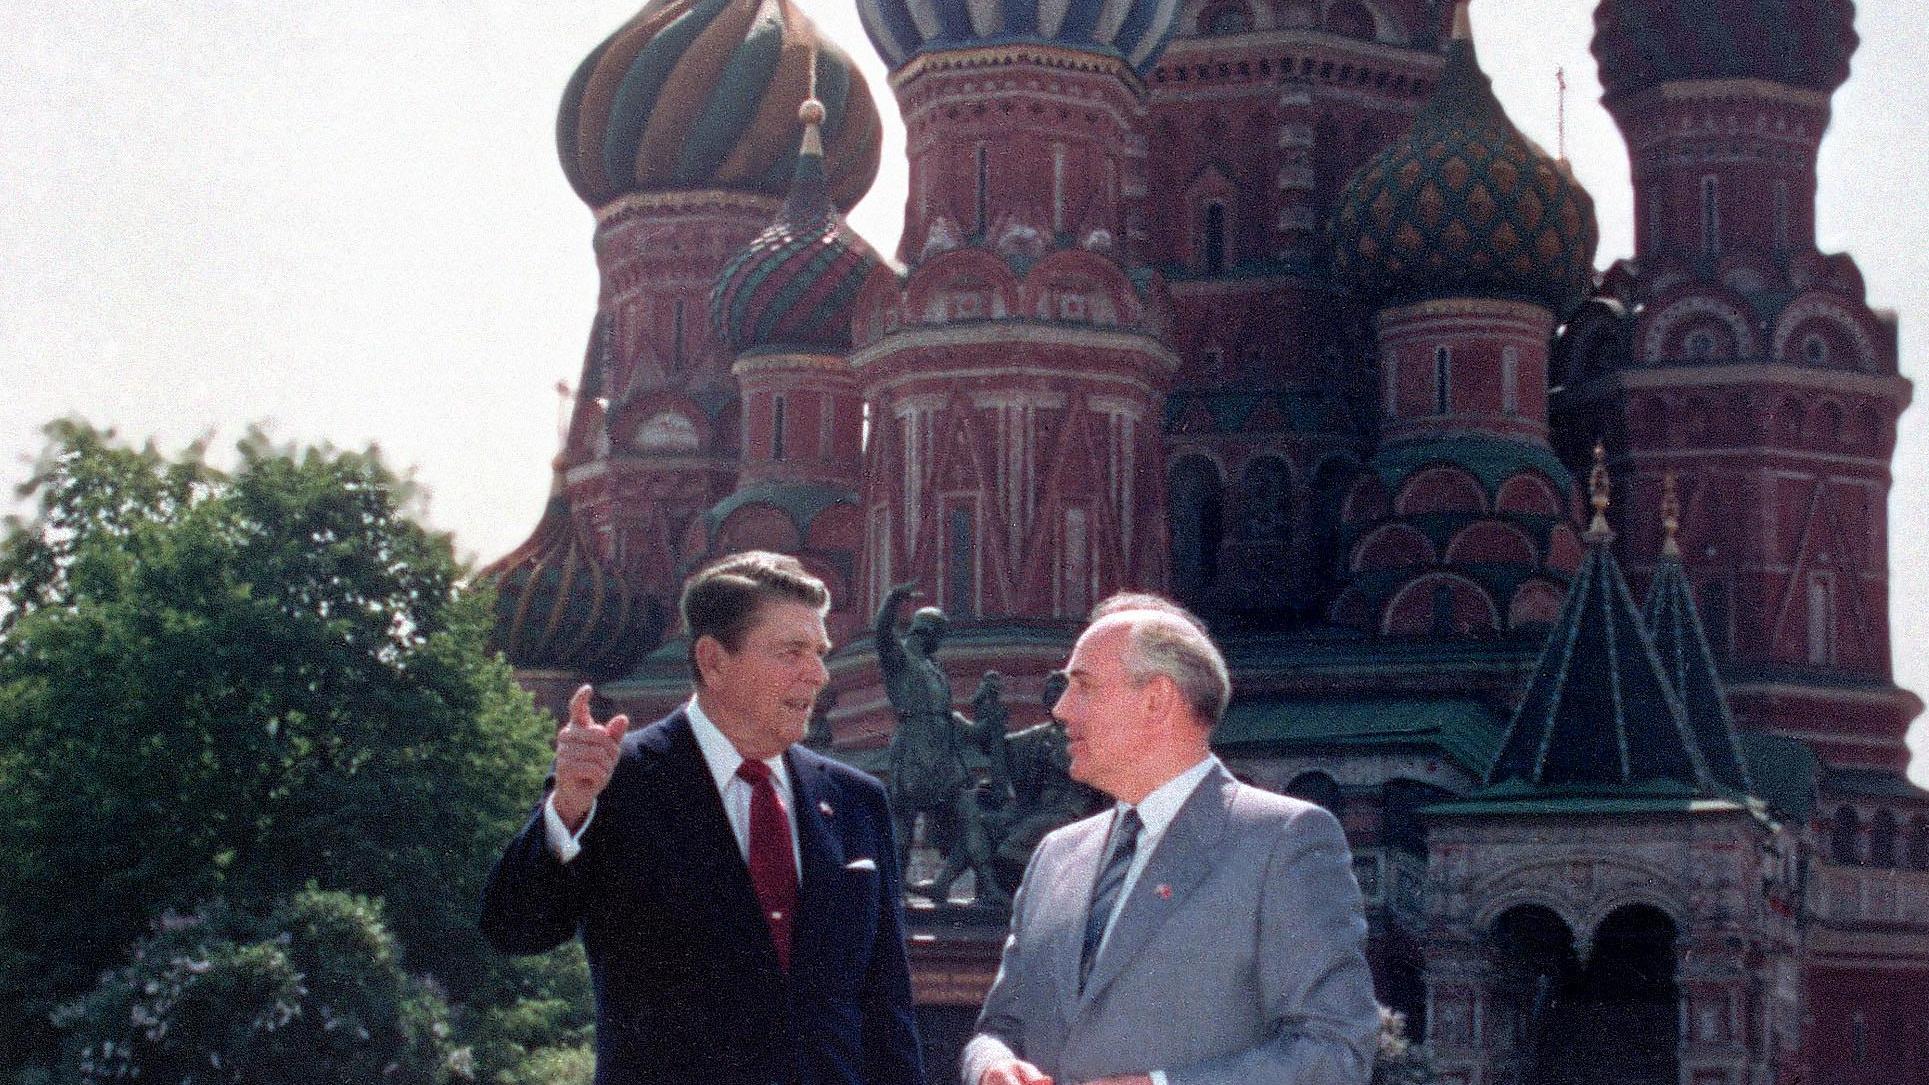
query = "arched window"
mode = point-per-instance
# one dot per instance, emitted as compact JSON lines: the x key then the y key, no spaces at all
{"x":961,"y":563}
{"x":1781,"y":214}
{"x":1212,"y":238}
{"x":1319,"y":789}
{"x":1266,"y":501}
{"x":1845,"y":844}
{"x":676,"y":334}
{"x":1442,"y":377}
{"x":984,"y":186}
{"x":1882,"y":839}
{"x":1710,"y":216}
{"x":777,"y":427}
{"x":1821,"y":619}
{"x":1510,"y":380}
{"x":1194,"y":519}
{"x":1919,"y":843}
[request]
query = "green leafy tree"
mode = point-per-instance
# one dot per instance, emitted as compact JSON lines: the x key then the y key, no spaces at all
{"x":313,"y":992}
{"x":228,"y":685}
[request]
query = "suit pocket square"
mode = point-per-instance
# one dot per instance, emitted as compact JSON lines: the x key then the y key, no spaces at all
{"x":861,"y":864}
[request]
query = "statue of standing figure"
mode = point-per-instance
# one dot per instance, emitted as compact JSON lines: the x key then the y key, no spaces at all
{"x":929,"y":770}
{"x":1044,"y":795}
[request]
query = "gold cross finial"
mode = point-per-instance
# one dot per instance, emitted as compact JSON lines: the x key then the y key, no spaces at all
{"x":1670,"y":516}
{"x":1597,"y":484}
{"x":811,"y":114}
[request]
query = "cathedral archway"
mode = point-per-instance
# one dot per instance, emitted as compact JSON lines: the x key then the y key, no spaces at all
{"x":1194,"y":502}
{"x":1562,"y":1020}
{"x":1625,"y":1025}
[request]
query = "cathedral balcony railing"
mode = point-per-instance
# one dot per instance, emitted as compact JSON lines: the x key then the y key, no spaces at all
{"x":1884,"y":896}
{"x":1709,"y":361}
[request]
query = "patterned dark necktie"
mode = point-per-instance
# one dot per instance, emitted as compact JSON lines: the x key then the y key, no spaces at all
{"x":1105,"y":891}
{"x":773,"y":867}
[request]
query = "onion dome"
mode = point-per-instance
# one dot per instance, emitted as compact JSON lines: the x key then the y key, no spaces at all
{"x":1134,"y":31}
{"x":795,"y":284}
{"x":699,"y":94}
{"x":1465,"y":206}
{"x":557,"y":608}
{"x":1798,"y":43}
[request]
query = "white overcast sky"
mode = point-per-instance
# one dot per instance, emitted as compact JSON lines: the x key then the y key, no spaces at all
{"x":346,"y":220}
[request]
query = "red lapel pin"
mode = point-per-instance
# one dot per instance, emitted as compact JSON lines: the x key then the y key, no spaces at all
{"x":1164,"y":891}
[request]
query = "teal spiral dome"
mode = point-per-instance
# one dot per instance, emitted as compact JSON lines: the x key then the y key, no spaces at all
{"x":1798,"y":43}
{"x":557,"y":607}
{"x":702,"y":94}
{"x":1465,"y":206}
{"x":794,"y":285}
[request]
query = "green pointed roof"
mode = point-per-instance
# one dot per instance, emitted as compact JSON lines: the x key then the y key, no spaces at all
{"x":1682,"y":643}
{"x":1600,"y":712}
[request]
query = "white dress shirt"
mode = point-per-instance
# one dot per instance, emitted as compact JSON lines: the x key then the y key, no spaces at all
{"x":1156,"y":812}
{"x":722,"y":759}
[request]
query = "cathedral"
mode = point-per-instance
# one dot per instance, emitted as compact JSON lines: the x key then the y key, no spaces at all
{"x":1564,"y":587}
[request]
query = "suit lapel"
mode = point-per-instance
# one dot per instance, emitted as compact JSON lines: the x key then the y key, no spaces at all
{"x":1071,"y":901}
{"x":1183,"y":858}
{"x":821,"y":852}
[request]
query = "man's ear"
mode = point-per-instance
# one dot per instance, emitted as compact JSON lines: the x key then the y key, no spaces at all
{"x":710,"y":654}
{"x":1161,"y":696}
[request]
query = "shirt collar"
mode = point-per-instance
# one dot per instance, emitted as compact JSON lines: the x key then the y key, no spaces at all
{"x":721,"y":756}
{"x":1157,"y":810}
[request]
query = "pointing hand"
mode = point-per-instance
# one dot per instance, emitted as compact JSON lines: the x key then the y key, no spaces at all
{"x":586,"y":754}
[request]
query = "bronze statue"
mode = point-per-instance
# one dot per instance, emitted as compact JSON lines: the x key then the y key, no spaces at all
{"x":989,"y":722}
{"x":929,"y":770}
{"x":1044,"y":795}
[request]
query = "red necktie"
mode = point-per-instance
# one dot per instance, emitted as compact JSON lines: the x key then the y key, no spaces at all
{"x":773,"y":866}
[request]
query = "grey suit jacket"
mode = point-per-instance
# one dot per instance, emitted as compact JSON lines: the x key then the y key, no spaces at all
{"x":1236,"y":959}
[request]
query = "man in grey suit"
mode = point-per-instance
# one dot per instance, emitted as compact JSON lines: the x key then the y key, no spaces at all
{"x":1201,"y":932}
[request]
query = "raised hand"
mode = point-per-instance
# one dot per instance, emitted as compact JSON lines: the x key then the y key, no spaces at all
{"x":586,"y":754}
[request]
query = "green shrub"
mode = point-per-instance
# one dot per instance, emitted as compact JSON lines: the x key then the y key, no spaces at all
{"x":311,"y":993}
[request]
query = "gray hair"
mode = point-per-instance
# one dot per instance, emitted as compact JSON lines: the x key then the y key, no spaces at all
{"x":1167,"y":640}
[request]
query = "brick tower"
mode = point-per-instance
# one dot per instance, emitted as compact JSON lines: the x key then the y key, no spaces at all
{"x":1015,"y":372}
{"x":1732,"y":353}
{"x":1471,"y":242}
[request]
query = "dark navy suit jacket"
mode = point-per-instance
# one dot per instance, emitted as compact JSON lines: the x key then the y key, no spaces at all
{"x":687,"y":983}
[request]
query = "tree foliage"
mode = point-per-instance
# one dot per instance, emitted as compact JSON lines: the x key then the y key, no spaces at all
{"x":228,"y":685}
{"x":313,"y":992}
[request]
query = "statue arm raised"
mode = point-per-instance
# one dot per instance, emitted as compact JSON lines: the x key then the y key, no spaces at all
{"x":890,"y":653}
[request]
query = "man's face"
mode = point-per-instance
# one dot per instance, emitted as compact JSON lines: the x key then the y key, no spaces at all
{"x":760,"y":696}
{"x":1104,"y":712}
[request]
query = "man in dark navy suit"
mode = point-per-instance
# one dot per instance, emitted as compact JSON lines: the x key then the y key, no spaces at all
{"x":737,"y":894}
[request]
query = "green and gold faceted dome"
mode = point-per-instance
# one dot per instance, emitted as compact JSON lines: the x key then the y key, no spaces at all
{"x":795,"y":285}
{"x":1465,"y":206}
{"x":695,"y":95}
